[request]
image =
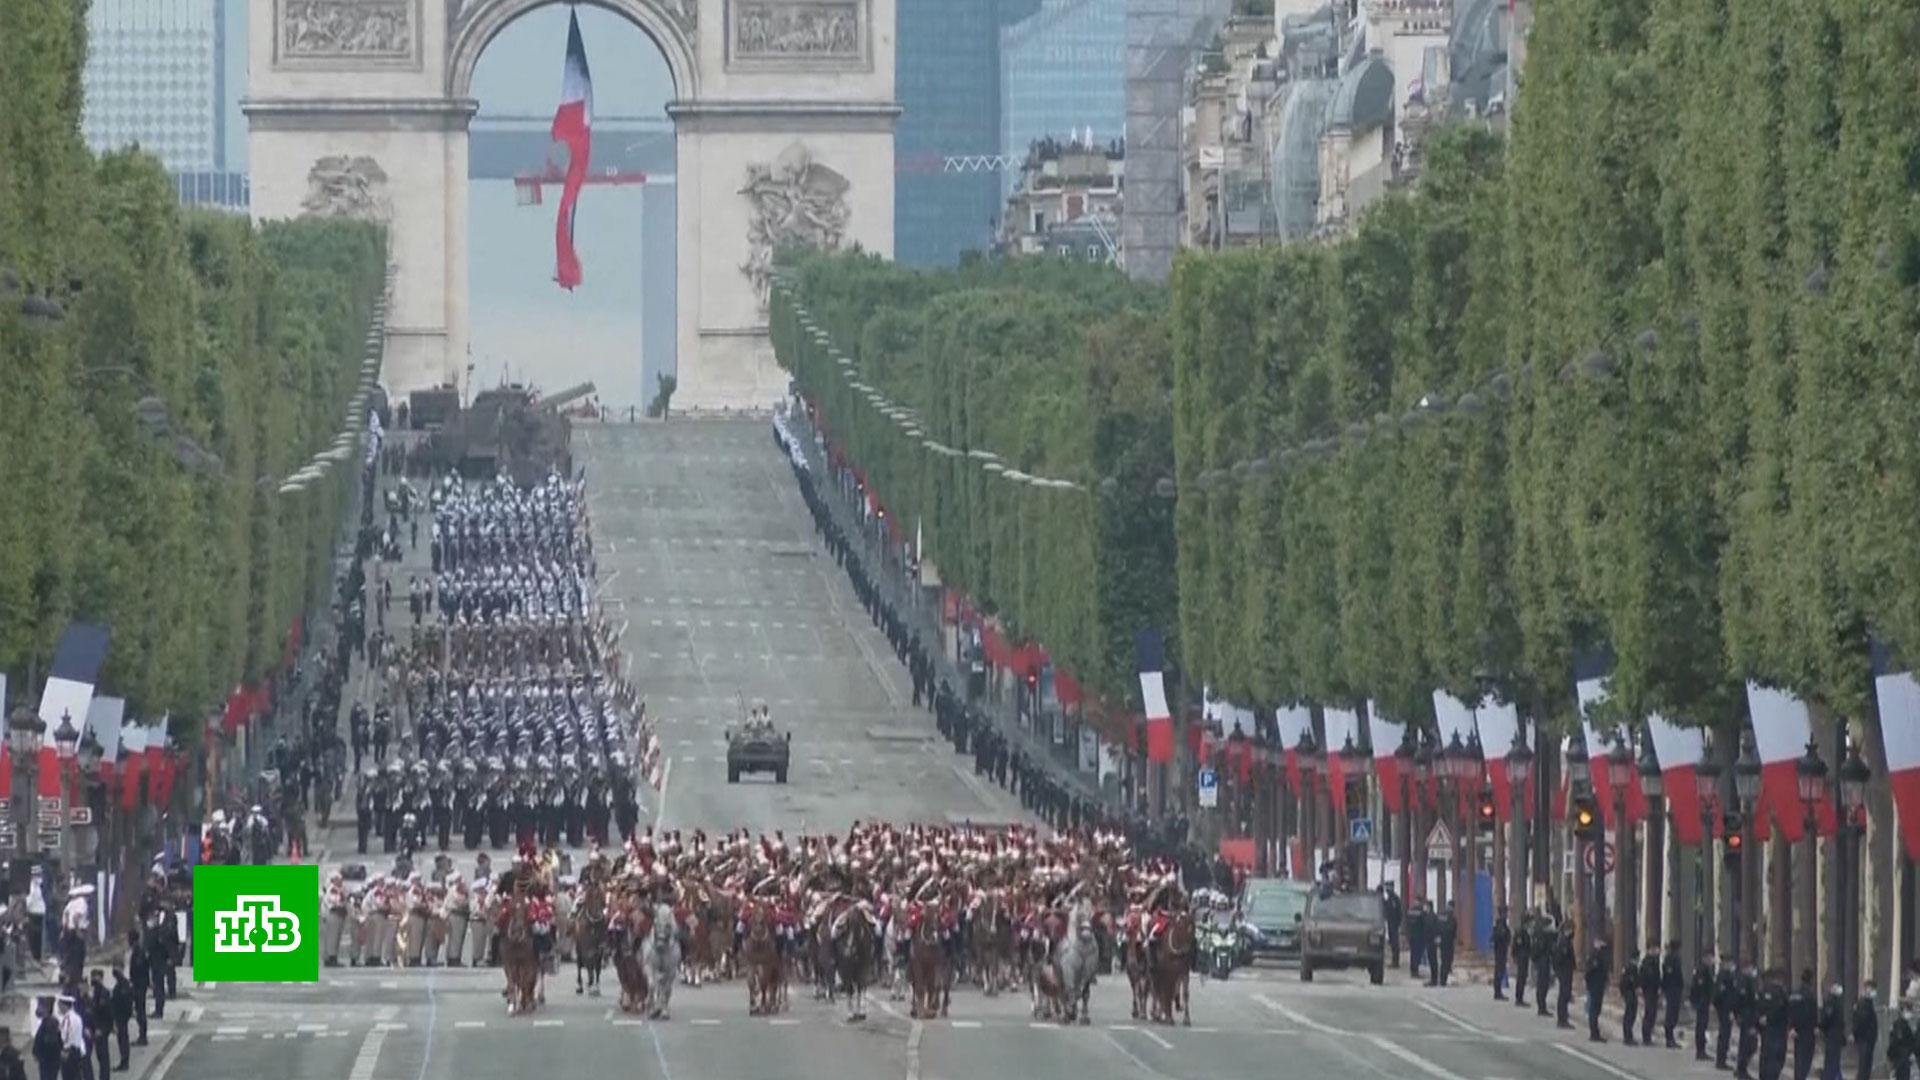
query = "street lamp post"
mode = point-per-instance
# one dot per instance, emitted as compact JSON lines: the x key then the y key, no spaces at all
{"x":1746,"y":786}
{"x":1453,"y":764}
{"x":24,"y":731}
{"x":1653,"y":786}
{"x":1307,"y":753}
{"x":1469,"y":771}
{"x":1357,"y":766}
{"x":1706,"y":930}
{"x":66,"y":741}
{"x":1619,"y":775}
{"x":1853,"y":776}
{"x":1811,"y":772}
{"x":1427,"y":765}
{"x":1519,"y":771}
{"x":1405,"y":757}
{"x":1579,"y":777}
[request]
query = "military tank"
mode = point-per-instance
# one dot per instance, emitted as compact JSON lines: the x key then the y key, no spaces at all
{"x":509,"y":431}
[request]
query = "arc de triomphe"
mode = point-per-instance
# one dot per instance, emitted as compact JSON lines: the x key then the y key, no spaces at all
{"x":783,"y":118}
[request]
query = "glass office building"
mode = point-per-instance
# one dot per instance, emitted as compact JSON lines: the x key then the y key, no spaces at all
{"x":156,"y":76}
{"x":947,"y":191}
{"x":1063,"y":71}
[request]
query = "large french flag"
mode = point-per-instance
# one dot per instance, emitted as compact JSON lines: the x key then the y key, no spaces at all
{"x":1781,"y":728}
{"x":1679,"y":751}
{"x":133,"y":747}
{"x":1386,"y":741}
{"x":1152,"y":652}
{"x":69,"y":694}
{"x":572,"y":125}
{"x":1899,"y":696}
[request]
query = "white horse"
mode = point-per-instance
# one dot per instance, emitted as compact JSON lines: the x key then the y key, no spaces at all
{"x":1076,"y":959}
{"x":660,"y":956}
{"x":894,"y":948}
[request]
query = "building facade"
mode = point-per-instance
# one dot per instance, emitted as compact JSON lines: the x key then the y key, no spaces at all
{"x":947,"y":196}
{"x":1063,"y":73}
{"x":1067,"y":201}
{"x":158,"y":76}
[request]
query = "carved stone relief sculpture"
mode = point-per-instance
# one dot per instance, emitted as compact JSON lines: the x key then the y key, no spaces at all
{"x":357,"y":29}
{"x":771,"y":29}
{"x":350,"y":187}
{"x":795,"y":200}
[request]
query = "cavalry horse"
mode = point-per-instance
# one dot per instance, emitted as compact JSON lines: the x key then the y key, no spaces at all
{"x":660,"y":958}
{"x":766,"y":969}
{"x":927,"y":977}
{"x":625,"y":939}
{"x":1169,"y":964}
{"x":854,"y":939}
{"x":1063,"y":982}
{"x":992,"y":942}
{"x":519,"y":960}
{"x":590,"y":938}
{"x":1135,"y":962}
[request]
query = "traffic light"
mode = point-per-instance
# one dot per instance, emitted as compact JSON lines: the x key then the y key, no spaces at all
{"x":1733,"y":833}
{"x":1586,"y":819}
{"x":1484,"y":810}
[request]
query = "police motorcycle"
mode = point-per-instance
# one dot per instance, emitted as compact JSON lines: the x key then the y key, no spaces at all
{"x":1221,"y":937}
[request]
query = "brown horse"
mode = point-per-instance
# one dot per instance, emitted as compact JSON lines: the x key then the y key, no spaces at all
{"x":992,"y":943}
{"x":927,"y":968}
{"x":518,"y":960}
{"x":766,"y":973}
{"x":624,"y":943}
{"x":855,"y":943}
{"x":590,"y":938}
{"x":1134,"y":961}
{"x":1170,"y":963}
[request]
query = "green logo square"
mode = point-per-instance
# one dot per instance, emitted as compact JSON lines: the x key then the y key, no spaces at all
{"x":256,"y":923}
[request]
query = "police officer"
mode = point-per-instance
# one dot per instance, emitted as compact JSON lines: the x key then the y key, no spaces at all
{"x":1900,"y":1044}
{"x":1747,"y":1011}
{"x":1546,"y":948}
{"x":1700,"y":996}
{"x":1726,"y":1001}
{"x":1673,"y":985}
{"x":1416,"y":937}
{"x":1866,"y":1030}
{"x":1833,"y":1032}
{"x":1442,"y":955}
{"x":1596,"y":974}
{"x":1502,"y":942}
{"x":1650,"y":992}
{"x":1563,"y":971}
{"x":1774,"y":1015}
{"x":1803,"y":1019}
{"x":1522,"y":956}
{"x":1630,"y":995}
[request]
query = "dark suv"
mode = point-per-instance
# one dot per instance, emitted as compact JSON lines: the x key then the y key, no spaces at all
{"x":1272,"y":909}
{"x":1344,"y":930}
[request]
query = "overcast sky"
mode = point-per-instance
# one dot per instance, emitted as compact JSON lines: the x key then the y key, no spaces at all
{"x":519,"y":74}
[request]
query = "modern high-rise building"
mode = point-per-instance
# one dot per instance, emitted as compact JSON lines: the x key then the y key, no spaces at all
{"x":1063,"y":71}
{"x":947,"y":194}
{"x":156,"y":76}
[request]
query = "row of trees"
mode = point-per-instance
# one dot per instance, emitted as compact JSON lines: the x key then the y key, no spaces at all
{"x":1063,"y":375}
{"x":127,"y":324}
{"x":1665,"y":342}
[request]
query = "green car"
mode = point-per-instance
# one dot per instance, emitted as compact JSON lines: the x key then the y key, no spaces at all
{"x":1271,"y":910}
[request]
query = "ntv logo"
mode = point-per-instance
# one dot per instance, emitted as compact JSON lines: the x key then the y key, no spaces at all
{"x":256,"y":925}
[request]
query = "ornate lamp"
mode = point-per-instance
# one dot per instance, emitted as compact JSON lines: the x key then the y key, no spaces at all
{"x":1357,"y":762}
{"x":1854,"y":775}
{"x":66,"y":737}
{"x":1578,"y":770}
{"x":1519,"y":759}
{"x":1746,"y":770}
{"x":1651,"y":781}
{"x":24,"y":731}
{"x":1620,"y":763}
{"x":1811,"y":772}
{"x":1307,"y":753}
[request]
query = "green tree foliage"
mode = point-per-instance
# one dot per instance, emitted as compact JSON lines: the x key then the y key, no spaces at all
{"x":250,"y":339}
{"x":1667,"y":337}
{"x":1062,"y":372}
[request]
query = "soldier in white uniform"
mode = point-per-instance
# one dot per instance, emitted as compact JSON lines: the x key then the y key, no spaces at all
{"x":373,"y":922}
{"x":333,"y":918}
{"x":480,"y":926}
{"x":459,"y":911}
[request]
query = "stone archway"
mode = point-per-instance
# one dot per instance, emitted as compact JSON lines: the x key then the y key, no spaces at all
{"x":783,"y":128}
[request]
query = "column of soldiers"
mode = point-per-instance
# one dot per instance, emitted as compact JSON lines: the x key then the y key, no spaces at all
{"x":520,"y":728}
{"x":963,"y":725}
{"x":1758,"y":1024}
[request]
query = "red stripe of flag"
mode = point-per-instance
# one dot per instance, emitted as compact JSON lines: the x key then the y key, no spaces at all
{"x":572,"y":125}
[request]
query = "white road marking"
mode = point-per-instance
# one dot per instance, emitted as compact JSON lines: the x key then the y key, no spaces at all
{"x":1448,"y":1017}
{"x":549,"y":1023}
{"x":705,"y":1021}
{"x":389,"y":1025}
{"x":192,"y":1014}
{"x":1604,"y":1066}
{"x":1433,"y":1069}
{"x":242,"y":1030}
{"x":172,"y":1055}
{"x":229,"y":1038}
{"x":965,"y":1024}
{"x":389,"y":984}
{"x":469,"y":1023}
{"x":312,"y":1027}
{"x":1299,"y":1017}
{"x":784,"y":1021}
{"x":369,"y":1056}
{"x":914,"y":1035}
